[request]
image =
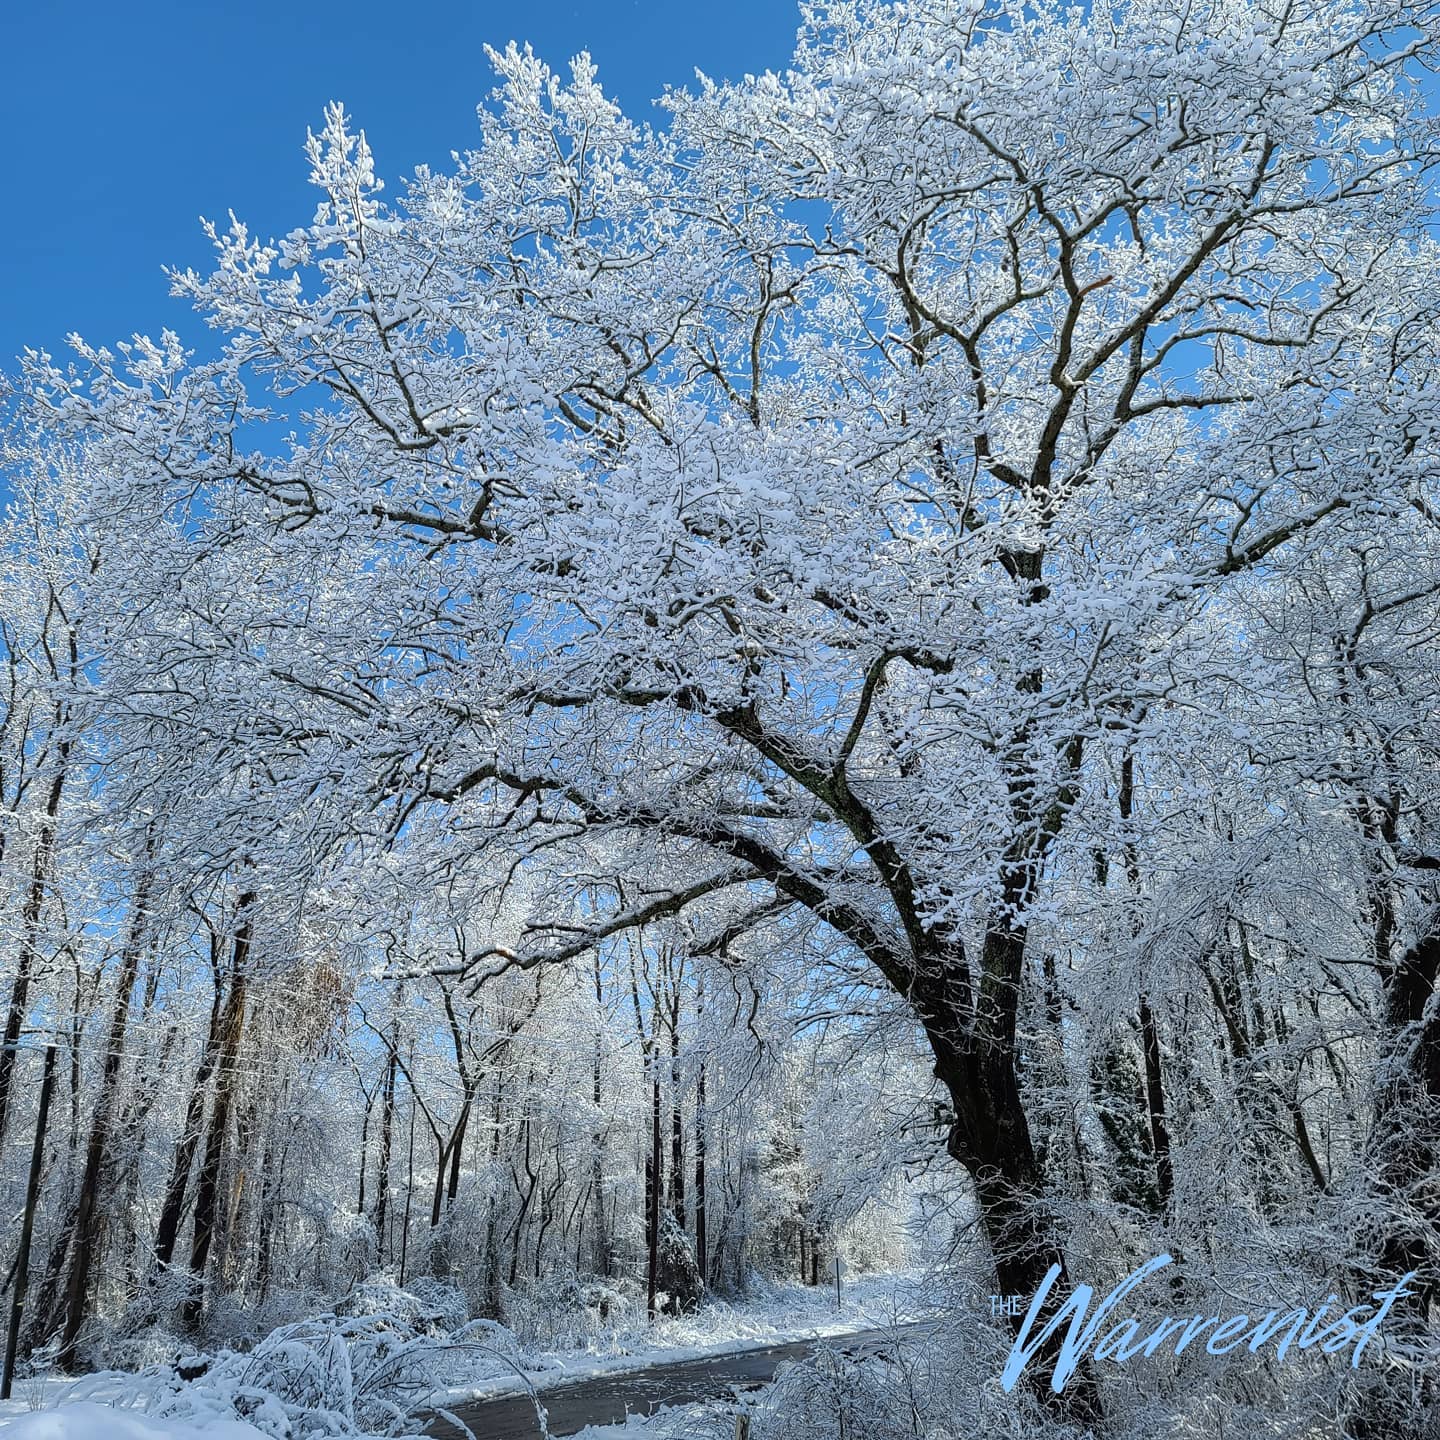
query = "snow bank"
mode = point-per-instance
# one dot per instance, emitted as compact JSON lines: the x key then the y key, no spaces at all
{"x":89,"y":1421}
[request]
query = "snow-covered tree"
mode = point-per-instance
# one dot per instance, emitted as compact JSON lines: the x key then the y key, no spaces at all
{"x":933,"y":513}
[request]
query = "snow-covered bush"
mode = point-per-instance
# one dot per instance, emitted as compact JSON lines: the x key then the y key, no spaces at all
{"x":431,"y":1306}
{"x":150,"y":1330}
{"x":239,"y":1323}
{"x":573,"y":1312}
{"x":361,"y":1377}
{"x":677,"y":1273}
{"x":923,"y":1388}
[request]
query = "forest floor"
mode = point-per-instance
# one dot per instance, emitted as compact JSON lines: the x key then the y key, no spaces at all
{"x":60,"y":1407}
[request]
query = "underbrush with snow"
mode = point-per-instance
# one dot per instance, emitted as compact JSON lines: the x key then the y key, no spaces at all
{"x":387,"y":1356}
{"x":365,"y":1376}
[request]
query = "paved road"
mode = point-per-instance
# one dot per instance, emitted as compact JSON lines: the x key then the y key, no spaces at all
{"x":608,"y":1399}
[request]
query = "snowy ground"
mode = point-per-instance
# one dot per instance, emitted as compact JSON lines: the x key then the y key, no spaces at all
{"x":91,"y":1420}
{"x":83,"y":1408}
{"x":678,"y":1423}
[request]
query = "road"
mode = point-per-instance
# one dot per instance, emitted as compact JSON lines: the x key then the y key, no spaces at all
{"x":608,"y":1399}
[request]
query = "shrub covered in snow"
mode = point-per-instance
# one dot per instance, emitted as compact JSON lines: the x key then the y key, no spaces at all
{"x":364,"y":1376}
{"x":573,"y":1312}
{"x":677,"y":1273}
{"x":430,"y":1306}
{"x":911,"y":1389}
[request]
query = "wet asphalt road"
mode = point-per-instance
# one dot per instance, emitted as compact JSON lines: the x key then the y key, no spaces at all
{"x":608,"y":1399}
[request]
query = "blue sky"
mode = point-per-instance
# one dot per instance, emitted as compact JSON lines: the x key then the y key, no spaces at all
{"x":122,"y":123}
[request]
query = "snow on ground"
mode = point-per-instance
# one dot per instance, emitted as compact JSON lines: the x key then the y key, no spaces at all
{"x":62,"y":1407}
{"x":785,"y":1313}
{"x":655,"y":1427}
{"x":45,"y":1393}
{"x":675,"y":1422}
{"x":88,"y":1420}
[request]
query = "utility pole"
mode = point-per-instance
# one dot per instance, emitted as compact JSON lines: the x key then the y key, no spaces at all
{"x":27,"y":1226}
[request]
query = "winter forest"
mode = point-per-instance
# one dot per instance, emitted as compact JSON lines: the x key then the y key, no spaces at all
{"x":832,"y":685}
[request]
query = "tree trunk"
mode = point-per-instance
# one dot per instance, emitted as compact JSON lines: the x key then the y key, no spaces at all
{"x":1149,"y":1032}
{"x":457,"y":1147}
{"x":273,"y":1181}
{"x":387,"y":1126}
{"x":701,"y":1254}
{"x":677,"y":1132}
{"x":1155,"y":1100}
{"x":532,"y":1179}
{"x":364,"y":1148}
{"x":597,"y":1152}
{"x":409,"y":1180}
{"x":1403,"y":1151}
{"x":85,"y":1232}
{"x":30,"y":935}
{"x":207,"y":1192}
{"x":174,"y":1207}
{"x":492,"y":1239}
{"x":990,"y":1137}
{"x":597,"y":1176}
{"x":654,"y":1179}
{"x":1404,"y":1146}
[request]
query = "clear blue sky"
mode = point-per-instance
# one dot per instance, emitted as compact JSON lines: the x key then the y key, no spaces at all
{"x":123,"y":121}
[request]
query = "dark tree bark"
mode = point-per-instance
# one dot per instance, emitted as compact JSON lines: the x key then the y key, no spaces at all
{"x":387,"y":1125}
{"x":409,"y":1180}
{"x":677,"y":1131}
{"x":1155,"y":1100}
{"x":1149,"y":1032}
{"x":597,"y":1161}
{"x":1404,"y":1148}
{"x":526,"y":1193}
{"x":701,"y":1253}
{"x":173,"y":1209}
{"x":654,"y":1181}
{"x":30,"y":918}
{"x":273,"y":1183}
{"x":364,"y":1147}
{"x":207,"y":1190}
{"x":447,"y":1164}
{"x":492,"y":1236}
{"x":990,"y":1137}
{"x":85,"y":1228}
{"x":655,"y":1159}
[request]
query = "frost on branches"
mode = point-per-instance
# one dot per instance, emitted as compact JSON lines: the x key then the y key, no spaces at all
{"x":950,"y":531}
